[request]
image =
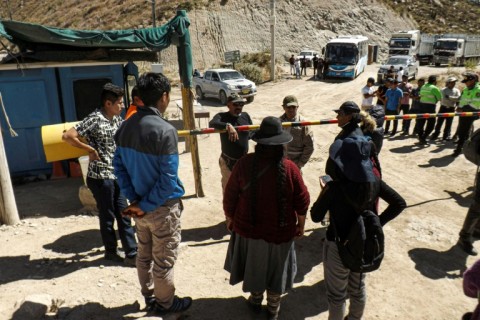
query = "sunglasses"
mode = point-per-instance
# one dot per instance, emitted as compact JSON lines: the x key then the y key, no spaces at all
{"x":239,"y":104}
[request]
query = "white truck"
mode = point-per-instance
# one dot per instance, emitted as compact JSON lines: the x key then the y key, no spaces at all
{"x":425,"y":50}
{"x":222,"y":83}
{"x":405,"y":43}
{"x":413,"y":43}
{"x":456,"y":49}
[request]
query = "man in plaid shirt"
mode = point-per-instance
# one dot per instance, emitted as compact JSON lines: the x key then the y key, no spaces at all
{"x":98,"y":129}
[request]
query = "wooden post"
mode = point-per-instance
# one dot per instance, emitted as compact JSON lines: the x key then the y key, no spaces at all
{"x":189,"y":124}
{"x":8,"y":206}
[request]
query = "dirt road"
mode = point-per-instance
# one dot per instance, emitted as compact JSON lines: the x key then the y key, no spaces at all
{"x":57,"y":251}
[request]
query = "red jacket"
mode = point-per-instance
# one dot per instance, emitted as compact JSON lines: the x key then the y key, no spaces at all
{"x":237,"y":202}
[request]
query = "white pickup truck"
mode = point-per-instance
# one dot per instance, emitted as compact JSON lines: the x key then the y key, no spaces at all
{"x":221,"y":83}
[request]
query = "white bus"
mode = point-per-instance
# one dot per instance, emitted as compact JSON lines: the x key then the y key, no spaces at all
{"x":346,"y":56}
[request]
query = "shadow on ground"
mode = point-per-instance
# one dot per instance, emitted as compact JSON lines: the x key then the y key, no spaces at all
{"x":216,"y":232}
{"x":50,"y":198}
{"x":81,"y":241}
{"x":82,"y":254}
{"x":309,"y":250}
{"x":437,"y":265}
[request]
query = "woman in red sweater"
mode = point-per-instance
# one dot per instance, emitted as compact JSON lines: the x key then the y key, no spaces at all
{"x":265,"y":203}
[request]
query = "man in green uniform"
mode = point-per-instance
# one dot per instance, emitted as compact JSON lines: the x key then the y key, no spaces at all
{"x":430,"y":94}
{"x":469,"y":101}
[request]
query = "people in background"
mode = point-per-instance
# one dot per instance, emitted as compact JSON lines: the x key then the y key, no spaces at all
{"x":450,"y":98}
{"x":429,"y":96}
{"x":393,"y":98}
{"x":406,"y":88}
{"x":136,"y":102}
{"x":469,"y":101}
{"x":368,"y":92}
{"x":234,"y":144}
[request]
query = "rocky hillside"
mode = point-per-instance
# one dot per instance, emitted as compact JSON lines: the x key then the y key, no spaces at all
{"x":440,"y":16}
{"x":222,"y":25}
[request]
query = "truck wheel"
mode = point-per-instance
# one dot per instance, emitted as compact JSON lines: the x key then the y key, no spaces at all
{"x":379,"y":79}
{"x":437,"y":64}
{"x":199,"y":93}
{"x":250,"y":99}
{"x":223,"y":97}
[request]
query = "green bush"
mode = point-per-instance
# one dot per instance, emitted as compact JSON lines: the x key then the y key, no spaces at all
{"x":250,"y":71}
{"x":256,"y":66}
{"x":471,"y":64}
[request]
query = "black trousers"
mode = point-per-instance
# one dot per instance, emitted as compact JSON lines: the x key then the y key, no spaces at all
{"x":405,"y":109}
{"x":448,"y":122}
{"x":395,"y":122}
{"x":463,"y":130}
{"x":422,"y":130}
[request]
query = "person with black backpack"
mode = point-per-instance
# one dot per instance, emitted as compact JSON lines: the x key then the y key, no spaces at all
{"x":354,"y":241}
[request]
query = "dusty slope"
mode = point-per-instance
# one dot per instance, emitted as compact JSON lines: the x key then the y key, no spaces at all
{"x":227,"y":25}
{"x":58,"y":252}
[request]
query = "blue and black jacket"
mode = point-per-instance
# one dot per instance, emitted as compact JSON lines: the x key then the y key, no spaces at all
{"x":146,"y":159}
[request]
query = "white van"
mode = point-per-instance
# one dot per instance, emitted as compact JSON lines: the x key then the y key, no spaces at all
{"x":308,"y":53}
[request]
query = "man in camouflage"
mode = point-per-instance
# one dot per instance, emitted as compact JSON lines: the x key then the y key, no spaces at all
{"x":300,"y":149}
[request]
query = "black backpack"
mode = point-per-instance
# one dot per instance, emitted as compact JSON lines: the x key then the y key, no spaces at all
{"x":363,"y":248}
{"x":471,"y":148}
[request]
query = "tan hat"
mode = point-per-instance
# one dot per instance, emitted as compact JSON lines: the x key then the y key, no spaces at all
{"x":452,"y":79}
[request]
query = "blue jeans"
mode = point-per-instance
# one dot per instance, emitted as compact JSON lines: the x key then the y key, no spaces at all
{"x":110,"y":204}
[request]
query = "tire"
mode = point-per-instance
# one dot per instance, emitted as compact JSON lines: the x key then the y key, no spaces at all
{"x":415,"y":74}
{"x":199,"y":92}
{"x":223,"y":97}
{"x":250,"y":99}
{"x":437,"y":64}
{"x":379,"y":79}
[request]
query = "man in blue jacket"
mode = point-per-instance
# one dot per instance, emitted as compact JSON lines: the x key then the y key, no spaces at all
{"x":146,"y":165}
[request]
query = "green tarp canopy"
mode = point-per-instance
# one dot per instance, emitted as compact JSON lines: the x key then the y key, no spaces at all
{"x":28,"y":36}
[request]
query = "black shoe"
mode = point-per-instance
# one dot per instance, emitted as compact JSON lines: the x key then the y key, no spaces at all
{"x":150,"y":303}
{"x":178,"y":305}
{"x":447,"y":138}
{"x":467,"y":247}
{"x":117,"y":256}
{"x":433,"y":137}
{"x":456,"y":153}
{"x":422,"y":141}
{"x":393,"y":133}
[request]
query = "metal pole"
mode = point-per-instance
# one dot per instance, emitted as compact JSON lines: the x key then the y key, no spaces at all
{"x":272,"y":32}
{"x":7,"y":2}
{"x":154,"y":18}
{"x":154,"y":24}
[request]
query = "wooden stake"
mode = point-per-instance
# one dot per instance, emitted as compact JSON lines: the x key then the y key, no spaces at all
{"x":189,"y":123}
{"x":8,"y":206}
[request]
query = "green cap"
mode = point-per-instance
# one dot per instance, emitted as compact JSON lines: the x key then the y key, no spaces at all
{"x":290,"y":101}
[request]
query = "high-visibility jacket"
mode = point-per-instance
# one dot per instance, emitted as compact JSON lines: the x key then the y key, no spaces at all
{"x":430,"y":94}
{"x":471,"y":97}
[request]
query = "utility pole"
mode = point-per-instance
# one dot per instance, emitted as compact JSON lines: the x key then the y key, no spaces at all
{"x":272,"y":32}
{"x":7,"y":2}
{"x":154,"y":24}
